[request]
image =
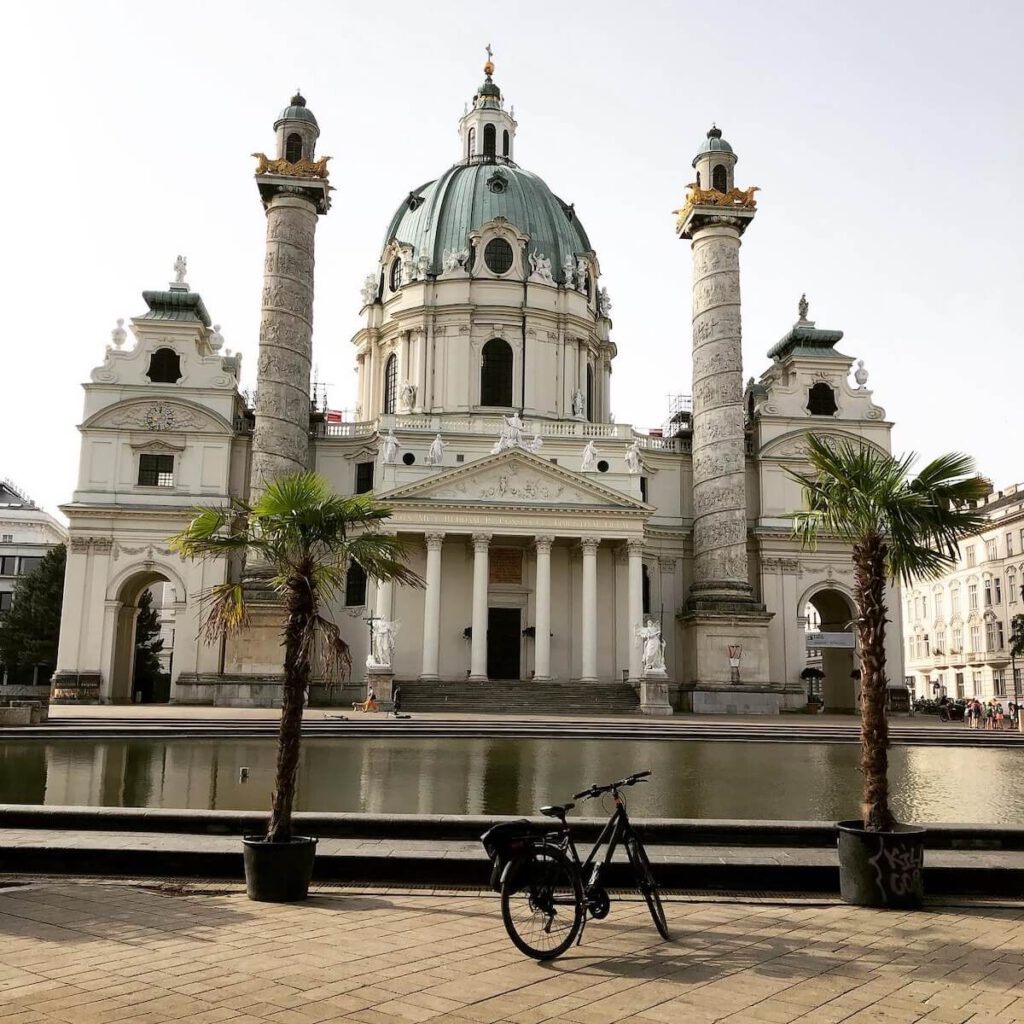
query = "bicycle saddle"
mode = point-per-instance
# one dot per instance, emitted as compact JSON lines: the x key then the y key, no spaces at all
{"x":557,"y":810}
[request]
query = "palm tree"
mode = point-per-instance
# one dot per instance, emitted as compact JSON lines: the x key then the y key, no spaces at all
{"x":304,"y":537}
{"x":900,"y":528}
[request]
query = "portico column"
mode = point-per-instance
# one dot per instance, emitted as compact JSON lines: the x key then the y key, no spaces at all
{"x":634,"y":549}
{"x":589,"y":608}
{"x":478,"y":650}
{"x":432,"y":606}
{"x":542,"y":641}
{"x":383,"y":606}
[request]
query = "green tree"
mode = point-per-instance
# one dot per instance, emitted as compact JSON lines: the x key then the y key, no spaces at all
{"x":148,"y":645}
{"x":305,"y":536}
{"x":900,"y":527}
{"x":30,"y":630}
{"x":1017,"y":636}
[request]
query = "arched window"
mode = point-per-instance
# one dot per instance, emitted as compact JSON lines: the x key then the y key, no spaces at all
{"x":590,"y":393}
{"x":719,"y":178}
{"x":164,"y":366}
{"x":395,"y":276}
{"x":471,"y":142}
{"x":355,"y":585}
{"x":293,"y":148}
{"x":489,"y":140}
{"x":504,"y":143}
{"x":821,"y":400}
{"x":645,"y":589}
{"x":496,"y":373}
{"x":698,"y":179}
{"x":390,"y":383}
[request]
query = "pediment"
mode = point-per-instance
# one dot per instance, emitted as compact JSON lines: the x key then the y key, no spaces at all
{"x":158,"y":414}
{"x":515,"y":478}
{"x":794,"y":444}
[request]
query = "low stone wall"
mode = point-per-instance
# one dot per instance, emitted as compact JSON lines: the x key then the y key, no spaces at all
{"x":238,"y":691}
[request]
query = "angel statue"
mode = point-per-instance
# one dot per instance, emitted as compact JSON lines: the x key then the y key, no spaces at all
{"x":589,"y":458}
{"x":541,"y":267}
{"x":389,"y":448}
{"x":649,"y":637}
{"x":604,"y":303}
{"x":435,"y":453}
{"x":569,"y":271}
{"x":180,"y":267}
{"x":633,"y":463}
{"x":511,"y":434}
{"x":536,"y":444}
{"x":382,"y":644}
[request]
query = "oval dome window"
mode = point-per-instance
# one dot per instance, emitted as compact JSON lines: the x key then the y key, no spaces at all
{"x":498,"y":256}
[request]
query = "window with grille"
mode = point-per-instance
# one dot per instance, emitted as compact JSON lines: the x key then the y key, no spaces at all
{"x":355,"y":586}
{"x":164,"y":366}
{"x":498,"y":256}
{"x":156,"y":470}
{"x":390,"y":384}
{"x":293,"y":148}
{"x":496,"y":373}
{"x":364,"y":477}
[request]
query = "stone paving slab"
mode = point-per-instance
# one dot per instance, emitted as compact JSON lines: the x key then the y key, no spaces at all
{"x":88,"y":953}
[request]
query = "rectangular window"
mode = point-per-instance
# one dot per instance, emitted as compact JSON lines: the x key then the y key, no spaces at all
{"x":924,"y":607}
{"x":29,"y":564}
{"x":988,"y":593}
{"x":960,"y":685}
{"x":1009,"y":545}
{"x":355,"y":586}
{"x":972,"y":596}
{"x":976,"y":681}
{"x":990,"y":635}
{"x":999,"y":682}
{"x":7,"y":538}
{"x":1000,"y":639}
{"x":6,"y":600}
{"x":156,"y":470}
{"x":364,"y":477}
{"x":954,"y":600}
{"x":938,"y":604}
{"x":940,"y":642}
{"x":997,"y":591}
{"x":643,"y":488}
{"x":970,"y":556}
{"x":1016,"y":681}
{"x":992,"y":550}
{"x":9,"y":565}
{"x":1011,"y":588}
{"x":975,"y":639}
{"x":958,"y":639}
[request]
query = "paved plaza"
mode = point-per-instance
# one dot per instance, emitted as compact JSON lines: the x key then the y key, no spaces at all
{"x":92,"y":953}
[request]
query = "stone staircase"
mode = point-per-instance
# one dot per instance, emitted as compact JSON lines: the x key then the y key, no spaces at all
{"x":518,"y":697}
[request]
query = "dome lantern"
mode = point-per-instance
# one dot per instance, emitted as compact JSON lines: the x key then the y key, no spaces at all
{"x":487,"y":131}
{"x":297,"y":131}
{"x":715,"y":162}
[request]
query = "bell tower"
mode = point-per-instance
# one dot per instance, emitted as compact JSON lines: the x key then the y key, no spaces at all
{"x":487,"y":129}
{"x":294,"y":190}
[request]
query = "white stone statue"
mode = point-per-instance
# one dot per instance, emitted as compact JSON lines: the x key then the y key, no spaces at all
{"x":369,"y":291}
{"x":578,"y":404}
{"x":581,"y":274}
{"x":589,"y":458}
{"x":118,"y":334}
{"x":649,"y":638}
{"x":407,"y":394}
{"x":216,"y":338}
{"x":536,"y":444}
{"x":435,"y":453}
{"x":422,"y":266}
{"x":382,"y":647}
{"x":633,"y":459}
{"x":511,"y":434}
{"x":569,"y":271}
{"x":180,"y":268}
{"x":541,"y":267}
{"x":604,"y":303}
{"x":454,"y":259}
{"x":408,"y":266}
{"x":861,"y":376}
{"x":389,"y":448}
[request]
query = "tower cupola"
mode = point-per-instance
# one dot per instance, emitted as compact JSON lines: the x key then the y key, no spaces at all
{"x":297,"y":131}
{"x":487,"y":130}
{"x":715,"y":162}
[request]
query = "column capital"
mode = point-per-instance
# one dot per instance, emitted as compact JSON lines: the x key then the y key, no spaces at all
{"x":589,"y":545}
{"x":434,"y":541}
{"x":635,"y":546}
{"x":543,"y":542}
{"x":481,"y":541}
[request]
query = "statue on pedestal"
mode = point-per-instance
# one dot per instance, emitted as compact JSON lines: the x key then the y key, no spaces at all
{"x":382,"y":644}
{"x":511,"y":434}
{"x":435,"y":453}
{"x":590,"y":454}
{"x":649,"y":637}
{"x":633,"y":460}
{"x":389,"y":448}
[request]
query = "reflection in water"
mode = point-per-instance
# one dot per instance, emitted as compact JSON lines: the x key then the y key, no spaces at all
{"x":510,"y":776}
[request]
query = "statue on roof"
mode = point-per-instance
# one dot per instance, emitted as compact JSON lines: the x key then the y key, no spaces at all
{"x":180,"y":268}
{"x":633,"y":460}
{"x":590,"y":454}
{"x":435,"y":453}
{"x":118,"y":334}
{"x":803,"y":306}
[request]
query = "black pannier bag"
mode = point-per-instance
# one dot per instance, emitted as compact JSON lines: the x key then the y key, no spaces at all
{"x":505,"y":841}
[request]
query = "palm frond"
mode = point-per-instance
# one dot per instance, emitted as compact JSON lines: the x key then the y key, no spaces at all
{"x":223,"y":611}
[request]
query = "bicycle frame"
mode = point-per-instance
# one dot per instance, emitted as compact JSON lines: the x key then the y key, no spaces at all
{"x":612,"y":835}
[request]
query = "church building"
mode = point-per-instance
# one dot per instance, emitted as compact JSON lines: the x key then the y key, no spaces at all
{"x":565,"y":555}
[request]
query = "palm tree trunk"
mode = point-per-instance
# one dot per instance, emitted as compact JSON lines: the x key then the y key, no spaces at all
{"x":869,"y":580}
{"x":301,"y":613}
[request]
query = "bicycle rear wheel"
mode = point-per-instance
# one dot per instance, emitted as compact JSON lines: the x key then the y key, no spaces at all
{"x":542,"y":903}
{"x":646,"y":884}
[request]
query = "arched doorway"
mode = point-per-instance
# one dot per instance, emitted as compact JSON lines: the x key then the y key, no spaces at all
{"x":143,"y":639}
{"x":830,"y":611}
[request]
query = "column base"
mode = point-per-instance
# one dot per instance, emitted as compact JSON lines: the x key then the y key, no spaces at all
{"x":479,"y":679}
{"x":708,"y":635}
{"x":540,"y":679}
{"x":428,"y":678}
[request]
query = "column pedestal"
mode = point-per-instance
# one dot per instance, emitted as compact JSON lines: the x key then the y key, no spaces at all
{"x":654,"y":699}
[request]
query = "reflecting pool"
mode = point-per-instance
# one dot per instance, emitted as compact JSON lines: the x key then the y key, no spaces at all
{"x":692,"y":779}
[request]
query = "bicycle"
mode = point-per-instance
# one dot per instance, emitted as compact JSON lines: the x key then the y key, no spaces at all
{"x":547,"y":892}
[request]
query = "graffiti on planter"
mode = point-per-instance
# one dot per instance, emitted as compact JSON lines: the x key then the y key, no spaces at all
{"x":898,"y":869}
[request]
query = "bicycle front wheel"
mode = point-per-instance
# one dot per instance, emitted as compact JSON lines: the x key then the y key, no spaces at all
{"x":542,"y":903}
{"x":646,"y":884}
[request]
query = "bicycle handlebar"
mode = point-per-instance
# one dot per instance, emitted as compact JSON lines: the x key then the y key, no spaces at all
{"x":596,"y":790}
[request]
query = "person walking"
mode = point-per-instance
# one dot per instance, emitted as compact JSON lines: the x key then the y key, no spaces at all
{"x":370,"y":704}
{"x":396,"y":699}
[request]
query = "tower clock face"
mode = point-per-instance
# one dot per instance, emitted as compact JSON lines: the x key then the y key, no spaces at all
{"x":159,"y":417}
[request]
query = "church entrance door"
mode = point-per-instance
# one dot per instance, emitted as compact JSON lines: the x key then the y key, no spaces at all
{"x":503,"y":642}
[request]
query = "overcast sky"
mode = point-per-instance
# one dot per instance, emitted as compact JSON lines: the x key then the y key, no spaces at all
{"x":886,"y":139}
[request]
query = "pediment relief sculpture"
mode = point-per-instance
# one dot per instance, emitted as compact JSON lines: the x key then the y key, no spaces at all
{"x":157,"y":417}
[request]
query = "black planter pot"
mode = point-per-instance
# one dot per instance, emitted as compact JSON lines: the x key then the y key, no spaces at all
{"x":278,"y":872}
{"x":881,"y":869}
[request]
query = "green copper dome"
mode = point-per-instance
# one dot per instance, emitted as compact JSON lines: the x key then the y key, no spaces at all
{"x":714,"y":143}
{"x":441,"y":214}
{"x":296,"y":111}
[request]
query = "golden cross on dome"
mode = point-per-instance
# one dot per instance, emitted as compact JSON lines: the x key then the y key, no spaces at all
{"x":489,"y":66}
